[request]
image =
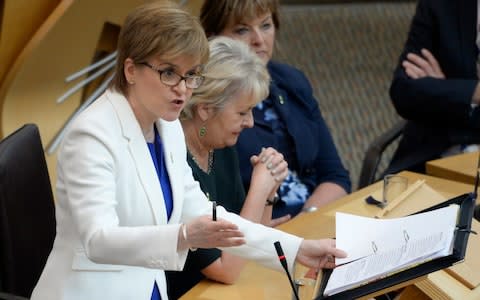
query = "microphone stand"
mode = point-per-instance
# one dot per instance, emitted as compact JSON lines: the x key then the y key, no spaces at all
{"x":283,"y":261}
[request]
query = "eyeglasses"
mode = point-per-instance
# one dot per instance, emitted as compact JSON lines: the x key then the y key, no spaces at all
{"x":170,"y":78}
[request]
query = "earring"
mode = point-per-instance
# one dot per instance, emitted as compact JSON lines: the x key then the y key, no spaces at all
{"x":203,"y":131}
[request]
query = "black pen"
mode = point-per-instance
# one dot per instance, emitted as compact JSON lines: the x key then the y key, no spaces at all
{"x":214,"y":210}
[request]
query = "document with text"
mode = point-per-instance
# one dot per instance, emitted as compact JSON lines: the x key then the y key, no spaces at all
{"x":377,"y":248}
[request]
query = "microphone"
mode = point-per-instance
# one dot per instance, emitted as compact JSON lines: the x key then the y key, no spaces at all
{"x":283,"y":261}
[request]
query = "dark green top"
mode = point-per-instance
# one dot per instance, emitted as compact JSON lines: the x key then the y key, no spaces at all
{"x":223,"y":185}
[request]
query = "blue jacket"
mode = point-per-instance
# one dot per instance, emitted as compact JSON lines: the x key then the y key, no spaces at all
{"x":315,"y":152}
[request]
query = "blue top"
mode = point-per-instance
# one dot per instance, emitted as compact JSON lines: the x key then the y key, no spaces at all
{"x":290,"y":121}
{"x":156,"y":151}
{"x":293,"y":191}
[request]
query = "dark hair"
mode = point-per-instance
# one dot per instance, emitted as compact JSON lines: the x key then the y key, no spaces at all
{"x":216,"y":14}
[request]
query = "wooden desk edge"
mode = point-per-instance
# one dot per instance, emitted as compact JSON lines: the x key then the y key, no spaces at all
{"x":421,"y":282}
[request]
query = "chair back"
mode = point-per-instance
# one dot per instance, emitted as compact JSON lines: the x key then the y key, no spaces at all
{"x":27,"y":212}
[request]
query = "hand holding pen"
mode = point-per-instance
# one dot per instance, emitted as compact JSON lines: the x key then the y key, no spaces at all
{"x":201,"y":232}
{"x":214,"y":210}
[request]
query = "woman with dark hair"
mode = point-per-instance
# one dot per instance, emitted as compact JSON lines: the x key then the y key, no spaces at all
{"x":289,"y":119}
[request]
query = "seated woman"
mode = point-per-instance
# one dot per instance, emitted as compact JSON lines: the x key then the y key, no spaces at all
{"x":235,"y":80}
{"x":289,"y":119}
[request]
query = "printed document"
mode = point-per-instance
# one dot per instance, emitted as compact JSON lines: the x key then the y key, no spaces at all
{"x":379,"y":247}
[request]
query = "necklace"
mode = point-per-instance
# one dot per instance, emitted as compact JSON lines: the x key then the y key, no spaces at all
{"x":209,"y":161}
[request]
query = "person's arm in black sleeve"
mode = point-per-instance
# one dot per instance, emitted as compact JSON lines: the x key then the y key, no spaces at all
{"x":432,"y":100}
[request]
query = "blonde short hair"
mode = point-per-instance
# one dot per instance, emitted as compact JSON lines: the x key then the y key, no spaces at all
{"x":215,"y":15}
{"x":231,"y":68}
{"x":158,"y":28}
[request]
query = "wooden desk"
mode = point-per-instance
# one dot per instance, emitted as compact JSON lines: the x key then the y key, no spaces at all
{"x":461,"y":167}
{"x":257,"y":282}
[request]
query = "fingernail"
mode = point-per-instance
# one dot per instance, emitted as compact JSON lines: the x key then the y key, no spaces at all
{"x":269,"y":165}
{"x":273,"y":172}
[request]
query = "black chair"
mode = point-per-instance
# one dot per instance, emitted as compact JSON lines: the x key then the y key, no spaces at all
{"x":373,"y":155}
{"x":27,"y":212}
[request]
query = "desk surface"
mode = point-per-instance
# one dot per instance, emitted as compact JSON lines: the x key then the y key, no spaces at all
{"x":461,"y":167}
{"x":257,"y":282}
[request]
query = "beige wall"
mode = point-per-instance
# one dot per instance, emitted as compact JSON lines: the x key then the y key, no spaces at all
{"x":19,"y":21}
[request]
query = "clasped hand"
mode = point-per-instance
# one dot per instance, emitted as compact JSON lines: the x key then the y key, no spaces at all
{"x":273,"y":161}
{"x":269,"y":171}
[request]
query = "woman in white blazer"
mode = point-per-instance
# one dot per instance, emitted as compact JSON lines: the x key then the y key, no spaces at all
{"x":127,"y":205}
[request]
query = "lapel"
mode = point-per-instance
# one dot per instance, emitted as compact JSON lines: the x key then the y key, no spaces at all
{"x":173,"y":162}
{"x":282,"y":90}
{"x":467,"y":25}
{"x":140,"y":155}
{"x":278,"y":98}
{"x":303,"y":136}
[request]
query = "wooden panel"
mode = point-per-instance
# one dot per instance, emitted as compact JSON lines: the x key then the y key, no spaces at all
{"x":19,"y":19}
{"x":2,"y":6}
{"x":412,"y":292}
{"x":468,"y":272}
{"x":461,"y":167}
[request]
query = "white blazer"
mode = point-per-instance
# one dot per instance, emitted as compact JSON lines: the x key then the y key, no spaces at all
{"x":113,"y":238}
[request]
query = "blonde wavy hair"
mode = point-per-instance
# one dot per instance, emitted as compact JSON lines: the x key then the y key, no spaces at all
{"x":231,"y":68}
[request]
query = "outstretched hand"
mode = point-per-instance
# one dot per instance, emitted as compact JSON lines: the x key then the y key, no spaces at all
{"x":417,"y":66}
{"x":202,"y":232}
{"x":319,"y":253}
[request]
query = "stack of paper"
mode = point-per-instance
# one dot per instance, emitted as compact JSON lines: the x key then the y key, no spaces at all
{"x":377,"y":248}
